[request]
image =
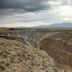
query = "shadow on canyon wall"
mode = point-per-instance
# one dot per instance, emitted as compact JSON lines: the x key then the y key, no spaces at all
{"x":59,"y":47}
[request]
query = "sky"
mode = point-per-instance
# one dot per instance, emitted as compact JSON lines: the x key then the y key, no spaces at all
{"x":30,"y":13}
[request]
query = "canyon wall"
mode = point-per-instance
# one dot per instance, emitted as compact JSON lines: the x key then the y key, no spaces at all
{"x":58,"y":48}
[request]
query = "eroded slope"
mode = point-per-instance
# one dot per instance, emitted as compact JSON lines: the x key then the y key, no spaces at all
{"x":59,"y":47}
{"x":15,"y":56}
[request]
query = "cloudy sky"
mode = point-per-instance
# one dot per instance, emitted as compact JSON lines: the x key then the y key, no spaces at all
{"x":15,"y":13}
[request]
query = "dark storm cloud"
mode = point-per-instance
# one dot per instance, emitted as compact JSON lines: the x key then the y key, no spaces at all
{"x":7,"y":12}
{"x":27,"y":5}
{"x":34,"y":11}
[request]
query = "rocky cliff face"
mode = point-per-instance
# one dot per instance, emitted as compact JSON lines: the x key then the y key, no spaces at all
{"x":16,"y":56}
{"x":59,"y":47}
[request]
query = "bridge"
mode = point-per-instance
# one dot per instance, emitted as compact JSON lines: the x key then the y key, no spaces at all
{"x":35,"y":35}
